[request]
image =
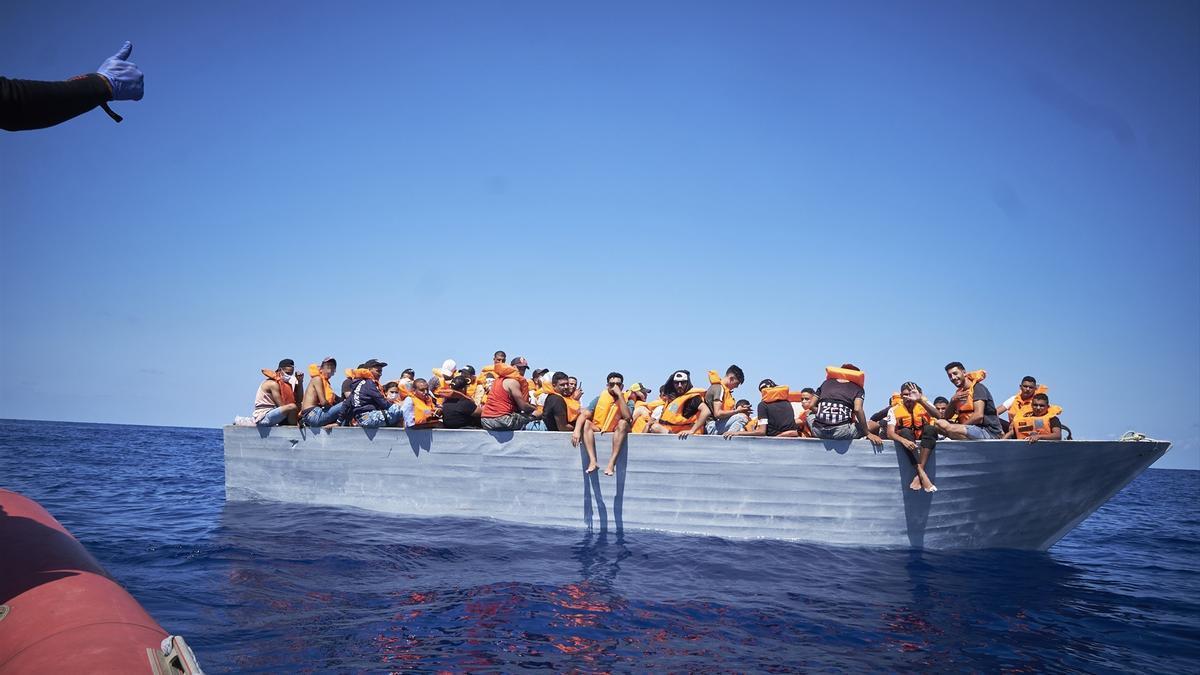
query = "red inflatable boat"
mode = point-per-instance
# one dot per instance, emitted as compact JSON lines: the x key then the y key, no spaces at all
{"x":60,"y":611}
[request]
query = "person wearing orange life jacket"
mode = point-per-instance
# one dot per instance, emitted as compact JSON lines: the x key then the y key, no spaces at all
{"x":775,"y":415}
{"x":610,"y":412}
{"x":419,"y":409}
{"x":443,"y":374}
{"x":508,"y":407}
{"x":1021,"y":402}
{"x":802,"y":402}
{"x":1040,"y":422}
{"x":459,"y":410}
{"x":406,"y":379}
{"x":837,"y":408}
{"x":367,"y":405}
{"x":685,"y":413}
{"x":726,"y":414}
{"x":911,"y":420}
{"x":275,"y":401}
{"x":645,"y":411}
{"x":321,"y":407}
{"x":972,"y":403}
{"x":556,"y":416}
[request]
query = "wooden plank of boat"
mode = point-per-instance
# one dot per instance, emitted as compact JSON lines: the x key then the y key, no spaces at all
{"x":992,"y":494}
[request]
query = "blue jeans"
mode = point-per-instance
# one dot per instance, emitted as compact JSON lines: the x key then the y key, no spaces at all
{"x":846,"y":431}
{"x":975,"y":433}
{"x":732,"y":423}
{"x":380,"y":418}
{"x":272,"y":418}
{"x":319,"y":418}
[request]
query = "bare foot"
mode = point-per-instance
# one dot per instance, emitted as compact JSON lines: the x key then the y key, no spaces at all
{"x":931,"y":488}
{"x":608,"y":470}
{"x":915,"y":484}
{"x":592,"y":467}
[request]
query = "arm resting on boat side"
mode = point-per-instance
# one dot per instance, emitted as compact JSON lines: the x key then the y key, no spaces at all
{"x":701,"y":417}
{"x":861,"y":418}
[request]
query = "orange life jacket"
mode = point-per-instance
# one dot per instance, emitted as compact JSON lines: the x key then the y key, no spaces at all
{"x":896,"y":399}
{"x":606,"y":414}
{"x":915,"y":420}
{"x":640,"y":424}
{"x":967,"y":408}
{"x":672,"y":417}
{"x":752,"y":425}
{"x":423,"y":409}
{"x":727,"y":402}
{"x":1026,"y":425}
{"x":286,"y":393}
{"x":1021,"y":406}
{"x":773,"y":394}
{"x":573,"y":408}
{"x":326,"y":390}
{"x":856,"y":376}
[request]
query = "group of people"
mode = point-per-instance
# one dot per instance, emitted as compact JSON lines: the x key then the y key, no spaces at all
{"x":499,"y":397}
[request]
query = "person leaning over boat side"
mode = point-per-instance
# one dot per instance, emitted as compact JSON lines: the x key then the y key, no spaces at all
{"x":368,"y":407}
{"x":1040,"y":422}
{"x":419,"y":409}
{"x":275,"y":402}
{"x":909,"y":421}
{"x":610,"y":412}
{"x":972,"y":402}
{"x":775,"y":415}
{"x":508,"y":407}
{"x":838,"y":406}
{"x":459,"y":410}
{"x":321,"y":407}
{"x":726,"y":414}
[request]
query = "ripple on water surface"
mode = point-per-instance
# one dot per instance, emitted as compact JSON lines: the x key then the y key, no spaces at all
{"x":274,"y":587}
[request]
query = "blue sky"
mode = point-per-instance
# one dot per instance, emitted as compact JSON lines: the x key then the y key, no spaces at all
{"x":629,"y":186}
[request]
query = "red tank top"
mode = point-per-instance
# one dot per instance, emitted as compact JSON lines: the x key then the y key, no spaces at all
{"x":499,"y":401}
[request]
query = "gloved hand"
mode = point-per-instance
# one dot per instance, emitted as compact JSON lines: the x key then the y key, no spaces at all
{"x":123,"y":75}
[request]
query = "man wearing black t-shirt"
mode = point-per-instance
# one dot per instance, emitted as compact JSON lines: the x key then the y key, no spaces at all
{"x":980,"y":422}
{"x":774,"y":419}
{"x":837,"y":411}
{"x":554,"y":408}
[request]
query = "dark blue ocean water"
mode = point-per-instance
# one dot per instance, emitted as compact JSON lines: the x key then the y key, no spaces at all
{"x":282,"y":588}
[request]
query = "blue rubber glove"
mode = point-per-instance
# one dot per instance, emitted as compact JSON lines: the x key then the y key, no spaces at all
{"x":122,"y":75}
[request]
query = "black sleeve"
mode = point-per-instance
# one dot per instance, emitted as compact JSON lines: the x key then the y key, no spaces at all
{"x":29,"y":104}
{"x":551,"y":408}
{"x":762,"y":413}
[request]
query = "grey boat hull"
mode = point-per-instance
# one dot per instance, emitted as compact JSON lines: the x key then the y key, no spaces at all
{"x":992,"y":494}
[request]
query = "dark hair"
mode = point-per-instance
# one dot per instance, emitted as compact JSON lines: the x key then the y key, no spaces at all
{"x":911,"y":386}
{"x":500,"y":352}
{"x":468,"y":369}
{"x":558,"y":376}
{"x":691,"y":405}
{"x":1029,"y":378}
{"x":616,"y":375}
{"x":670,"y":385}
{"x":391,"y":385}
{"x":955,"y":364}
{"x":459,"y":383}
{"x":742,"y":402}
{"x":406,"y":371}
{"x":941,"y":399}
{"x":737,"y":372}
{"x":419,"y":379}
{"x":808,"y":390}
{"x":1041,"y":397}
{"x":766,"y":383}
{"x":287,"y":362}
{"x":851,"y":366}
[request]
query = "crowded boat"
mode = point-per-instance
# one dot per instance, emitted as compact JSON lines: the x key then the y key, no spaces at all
{"x":507,"y":396}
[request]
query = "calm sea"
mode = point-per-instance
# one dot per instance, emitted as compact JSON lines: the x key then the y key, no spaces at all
{"x":287,"y":588}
